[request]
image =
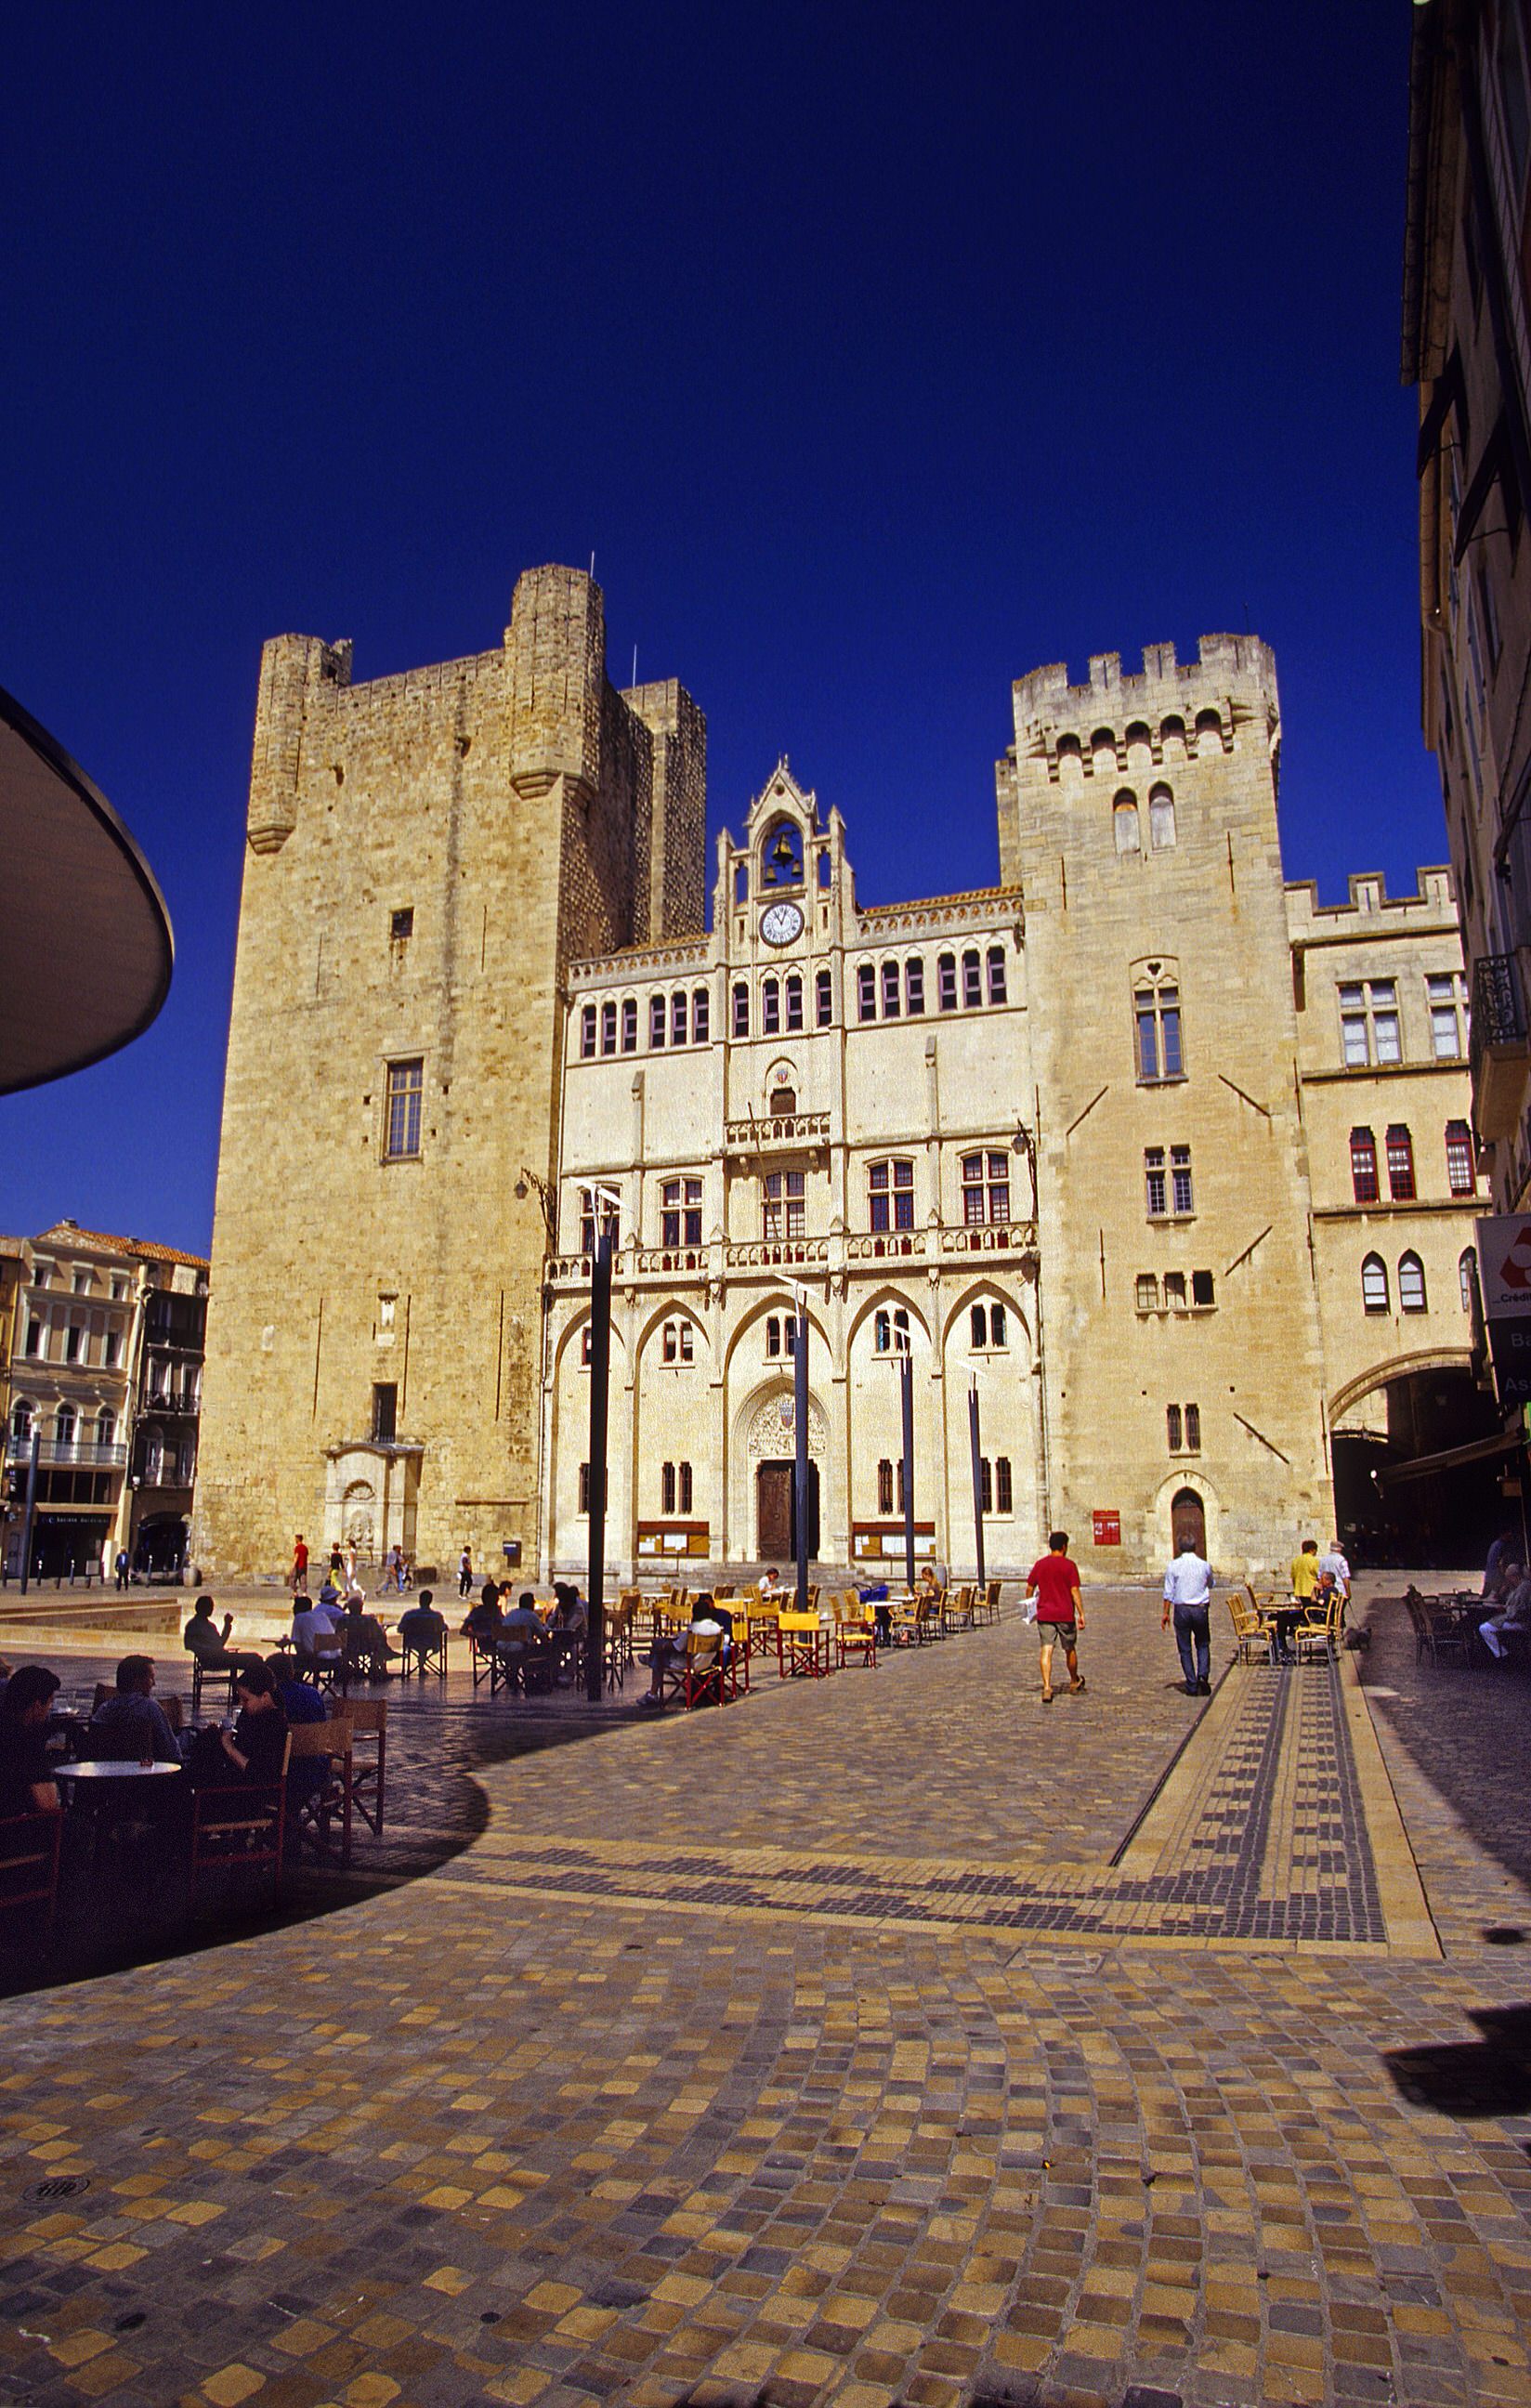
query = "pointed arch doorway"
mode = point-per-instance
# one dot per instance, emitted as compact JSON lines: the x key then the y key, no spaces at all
{"x":1188,"y":1522}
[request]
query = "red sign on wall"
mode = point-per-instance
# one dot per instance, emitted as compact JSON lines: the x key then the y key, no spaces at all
{"x":1108,"y":1529}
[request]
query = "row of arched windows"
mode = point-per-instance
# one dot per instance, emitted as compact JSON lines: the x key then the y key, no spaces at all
{"x":960,"y":985}
{"x":67,"y":1425}
{"x":1376,"y":1295}
{"x":677,"y":1019}
{"x":887,"y":990}
{"x":1136,"y":753}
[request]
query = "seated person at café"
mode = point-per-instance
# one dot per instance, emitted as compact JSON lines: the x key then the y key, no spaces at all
{"x":422,"y":1629}
{"x":771,"y":1590}
{"x":669,"y":1654}
{"x":365,"y":1640}
{"x":330,"y":1603}
{"x":570,"y":1622}
{"x":203,"y":1639}
{"x":133,"y":1727}
{"x":484,"y":1619}
{"x":26,"y":1777}
{"x":301,"y":1703}
{"x":313,"y":1633}
{"x":253,"y":1751}
{"x":1513,"y":1615}
{"x":523,"y":1630}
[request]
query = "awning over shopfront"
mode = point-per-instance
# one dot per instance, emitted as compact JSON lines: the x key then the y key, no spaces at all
{"x":85,"y":944}
{"x":1481,"y":1449}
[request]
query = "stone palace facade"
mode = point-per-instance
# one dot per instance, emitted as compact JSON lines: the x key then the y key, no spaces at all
{"x":1091,"y":1142}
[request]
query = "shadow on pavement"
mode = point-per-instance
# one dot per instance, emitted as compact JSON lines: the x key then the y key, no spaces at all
{"x":133,"y":1912}
{"x":1466,"y":1729}
{"x":1490,"y":2076}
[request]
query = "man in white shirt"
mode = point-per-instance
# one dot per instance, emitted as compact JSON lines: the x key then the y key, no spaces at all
{"x":1335,"y":1567}
{"x":1188,"y":1595}
{"x":313,"y":1632}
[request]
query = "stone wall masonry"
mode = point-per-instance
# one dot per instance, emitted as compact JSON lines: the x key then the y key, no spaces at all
{"x":1202,"y":913}
{"x":501,"y":800}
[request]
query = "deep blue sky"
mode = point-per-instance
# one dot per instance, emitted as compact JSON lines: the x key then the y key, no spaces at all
{"x":879,"y":354}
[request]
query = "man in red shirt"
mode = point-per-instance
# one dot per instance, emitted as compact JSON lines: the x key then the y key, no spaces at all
{"x":1053,"y":1580}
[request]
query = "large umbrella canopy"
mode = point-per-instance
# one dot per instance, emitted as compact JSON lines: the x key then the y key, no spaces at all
{"x":85,"y":944}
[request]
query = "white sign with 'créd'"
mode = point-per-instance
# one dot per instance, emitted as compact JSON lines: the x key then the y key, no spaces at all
{"x":1504,"y":1267}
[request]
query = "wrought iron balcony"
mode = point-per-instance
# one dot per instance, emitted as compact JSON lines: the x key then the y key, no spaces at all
{"x":55,"y":1453}
{"x":1500,"y":1053}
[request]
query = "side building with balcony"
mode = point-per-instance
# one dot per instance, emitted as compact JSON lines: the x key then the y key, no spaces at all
{"x":1382,"y":1032}
{"x":1467,"y":345}
{"x":814,"y":1097}
{"x":84,"y":1304}
{"x":167,"y":1408}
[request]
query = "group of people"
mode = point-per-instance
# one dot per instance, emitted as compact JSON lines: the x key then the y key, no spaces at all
{"x":345,"y":1570}
{"x":1054,"y":1603}
{"x":131,"y":1726}
{"x":522,"y":1639}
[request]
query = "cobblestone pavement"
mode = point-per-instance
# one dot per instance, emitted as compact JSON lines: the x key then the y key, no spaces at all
{"x":492,"y":2136}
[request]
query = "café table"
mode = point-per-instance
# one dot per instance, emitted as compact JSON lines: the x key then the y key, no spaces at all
{"x":99,"y":1789}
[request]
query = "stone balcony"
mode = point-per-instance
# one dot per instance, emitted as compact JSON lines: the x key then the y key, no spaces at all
{"x":777,"y":1132}
{"x":854,"y":1250}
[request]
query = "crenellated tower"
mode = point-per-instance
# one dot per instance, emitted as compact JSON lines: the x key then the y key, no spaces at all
{"x":1138,"y":815}
{"x":424,"y":853}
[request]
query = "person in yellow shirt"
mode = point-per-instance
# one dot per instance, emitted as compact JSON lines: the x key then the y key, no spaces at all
{"x":1305,"y":1579}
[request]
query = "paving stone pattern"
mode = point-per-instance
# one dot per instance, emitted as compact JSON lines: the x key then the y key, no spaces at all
{"x":468,"y":2142}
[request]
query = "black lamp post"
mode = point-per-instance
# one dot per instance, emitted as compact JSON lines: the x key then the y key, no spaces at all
{"x":800,"y":1449}
{"x":600,"y":1381}
{"x":976,"y":1448}
{"x":906,"y":1390}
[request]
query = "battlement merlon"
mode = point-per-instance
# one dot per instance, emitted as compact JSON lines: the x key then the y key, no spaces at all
{"x":296,"y":672}
{"x":676,"y":728}
{"x":556,"y":646}
{"x":1230,"y":685}
{"x":1431,"y":906}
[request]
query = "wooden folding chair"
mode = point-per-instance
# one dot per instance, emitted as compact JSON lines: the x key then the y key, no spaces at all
{"x":429,"y":1655}
{"x":29,"y":1872}
{"x":240,"y":1825}
{"x":201,"y":1672}
{"x":707,"y":1677}
{"x":368,"y":1720}
{"x":311,"y":1816}
{"x":855,"y":1631}
{"x":1252,"y":1636}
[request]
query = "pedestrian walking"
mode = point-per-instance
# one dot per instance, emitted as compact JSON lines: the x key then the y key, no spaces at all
{"x":297,"y":1579}
{"x":122,"y":1567}
{"x":1053,"y":1580}
{"x":1188,"y":1597}
{"x":465,"y":1572}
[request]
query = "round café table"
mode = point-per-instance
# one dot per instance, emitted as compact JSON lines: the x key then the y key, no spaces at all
{"x":92,"y":1770}
{"x":101,"y":1784}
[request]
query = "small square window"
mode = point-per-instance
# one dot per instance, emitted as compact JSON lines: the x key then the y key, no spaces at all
{"x":402,"y":923}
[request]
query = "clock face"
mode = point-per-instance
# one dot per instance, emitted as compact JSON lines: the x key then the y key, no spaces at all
{"x":781,"y":924}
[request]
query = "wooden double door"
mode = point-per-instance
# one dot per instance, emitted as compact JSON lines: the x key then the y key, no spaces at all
{"x":776,"y":1512}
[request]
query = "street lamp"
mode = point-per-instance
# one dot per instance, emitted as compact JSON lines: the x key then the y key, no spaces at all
{"x":603,"y":1205}
{"x":529,"y":1183}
